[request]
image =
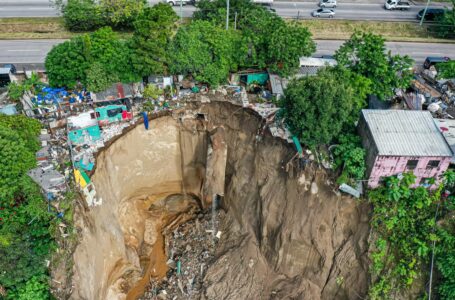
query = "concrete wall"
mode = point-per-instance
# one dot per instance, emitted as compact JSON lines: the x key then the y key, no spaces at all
{"x":368,"y":144}
{"x":385,"y":166}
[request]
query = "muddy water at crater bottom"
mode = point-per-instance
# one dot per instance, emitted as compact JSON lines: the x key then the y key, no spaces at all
{"x":156,"y":268}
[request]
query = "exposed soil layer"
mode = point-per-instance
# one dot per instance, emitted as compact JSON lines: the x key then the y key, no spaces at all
{"x":286,"y":233}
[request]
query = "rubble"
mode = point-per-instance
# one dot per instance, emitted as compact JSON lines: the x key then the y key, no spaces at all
{"x":190,"y":249}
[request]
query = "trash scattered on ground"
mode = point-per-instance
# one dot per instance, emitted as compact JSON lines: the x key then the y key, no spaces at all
{"x":190,"y":249}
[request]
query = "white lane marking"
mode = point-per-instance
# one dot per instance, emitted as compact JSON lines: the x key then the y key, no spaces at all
{"x":23,"y":50}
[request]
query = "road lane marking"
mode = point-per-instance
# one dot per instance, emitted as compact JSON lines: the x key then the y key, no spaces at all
{"x":23,"y":50}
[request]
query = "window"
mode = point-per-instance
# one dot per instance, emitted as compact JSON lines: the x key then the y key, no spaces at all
{"x":433,"y":164}
{"x":411,"y":164}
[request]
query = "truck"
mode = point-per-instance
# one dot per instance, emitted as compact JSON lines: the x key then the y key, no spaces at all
{"x":396,"y":4}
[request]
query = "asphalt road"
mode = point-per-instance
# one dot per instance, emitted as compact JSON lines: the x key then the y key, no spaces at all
{"x":352,"y":11}
{"x":31,"y":53}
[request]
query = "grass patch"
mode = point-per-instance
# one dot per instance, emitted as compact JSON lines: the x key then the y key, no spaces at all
{"x":392,"y":31}
{"x":39,"y":28}
{"x":33,"y":28}
{"x":53,"y":28}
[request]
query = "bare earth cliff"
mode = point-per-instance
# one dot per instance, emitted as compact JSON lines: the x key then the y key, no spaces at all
{"x":286,"y":233}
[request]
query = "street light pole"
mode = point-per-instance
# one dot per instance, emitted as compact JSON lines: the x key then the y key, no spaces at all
{"x":424,"y":12}
{"x":227,"y":14}
{"x":181,"y":11}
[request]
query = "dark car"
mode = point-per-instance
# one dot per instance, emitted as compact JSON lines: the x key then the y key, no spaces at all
{"x":11,"y":67}
{"x":432,"y":60}
{"x":5,"y":70}
{"x":432,"y":14}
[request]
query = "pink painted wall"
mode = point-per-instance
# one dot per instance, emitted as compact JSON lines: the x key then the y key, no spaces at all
{"x":385,"y":166}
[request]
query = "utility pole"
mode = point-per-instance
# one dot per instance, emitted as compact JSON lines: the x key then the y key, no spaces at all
{"x":227,"y":14}
{"x":181,"y":11}
{"x":424,"y":12}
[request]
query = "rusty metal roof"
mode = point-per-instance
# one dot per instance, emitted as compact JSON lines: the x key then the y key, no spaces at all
{"x":406,"y":133}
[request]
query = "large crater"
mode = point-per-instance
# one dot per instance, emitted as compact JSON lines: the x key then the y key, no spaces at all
{"x":286,"y":234}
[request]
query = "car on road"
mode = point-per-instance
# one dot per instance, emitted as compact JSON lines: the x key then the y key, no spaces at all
{"x":328,"y":3}
{"x":177,"y":2}
{"x":396,"y":5}
{"x":323,"y":13}
{"x":432,"y":14}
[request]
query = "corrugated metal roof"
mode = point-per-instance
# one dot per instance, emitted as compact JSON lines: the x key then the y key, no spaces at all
{"x":406,"y":133}
{"x":447,"y":126}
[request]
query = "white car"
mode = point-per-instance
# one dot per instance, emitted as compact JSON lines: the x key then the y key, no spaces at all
{"x":177,"y":2}
{"x":323,"y":13}
{"x":328,"y":3}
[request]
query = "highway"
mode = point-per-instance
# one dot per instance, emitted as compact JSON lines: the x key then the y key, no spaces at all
{"x":31,"y":53}
{"x":373,"y":10}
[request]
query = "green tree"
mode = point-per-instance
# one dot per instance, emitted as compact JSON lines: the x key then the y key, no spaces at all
{"x":269,"y":41}
{"x":365,"y":54}
{"x":98,"y":79}
{"x":350,"y":155}
{"x":153,"y":30}
{"x":287,"y":44}
{"x":35,"y":288}
{"x":317,"y":108}
{"x":66,"y":63}
{"x":25,"y":241}
{"x":15,"y":91}
{"x":446,"y":24}
{"x":121,"y":12}
{"x":204,"y":50}
{"x":81,"y":15}
{"x":215,"y":11}
{"x":99,"y":53}
{"x":152,"y":91}
{"x":16,"y":161}
{"x":446,"y":70}
{"x":407,"y":222}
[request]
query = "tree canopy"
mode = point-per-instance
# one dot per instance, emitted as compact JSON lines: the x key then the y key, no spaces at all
{"x":206,"y":51}
{"x":96,"y":60}
{"x":85,"y":15}
{"x":316,"y":108}
{"x":81,"y":15}
{"x":271,"y":42}
{"x":66,"y":63}
{"x":365,"y":54}
{"x":153,"y":31}
{"x":445,"y":26}
{"x":408,"y":221}
{"x":446,"y":70}
{"x":25,"y":240}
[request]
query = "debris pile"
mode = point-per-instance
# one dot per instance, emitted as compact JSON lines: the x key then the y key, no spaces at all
{"x":190,"y":250}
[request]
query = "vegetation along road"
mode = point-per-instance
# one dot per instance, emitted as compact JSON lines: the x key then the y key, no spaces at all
{"x":27,"y":52}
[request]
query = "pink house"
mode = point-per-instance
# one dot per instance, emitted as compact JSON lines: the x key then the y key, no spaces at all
{"x":399,"y":141}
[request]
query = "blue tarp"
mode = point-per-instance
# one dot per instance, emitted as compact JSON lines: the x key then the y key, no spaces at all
{"x":49,"y":95}
{"x":146,"y":120}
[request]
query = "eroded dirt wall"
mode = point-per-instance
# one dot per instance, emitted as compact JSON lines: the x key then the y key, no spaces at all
{"x":287,"y":237}
{"x":141,"y":168}
{"x":284,"y":235}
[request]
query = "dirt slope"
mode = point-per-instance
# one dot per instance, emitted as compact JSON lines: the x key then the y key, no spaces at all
{"x":286,"y":235}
